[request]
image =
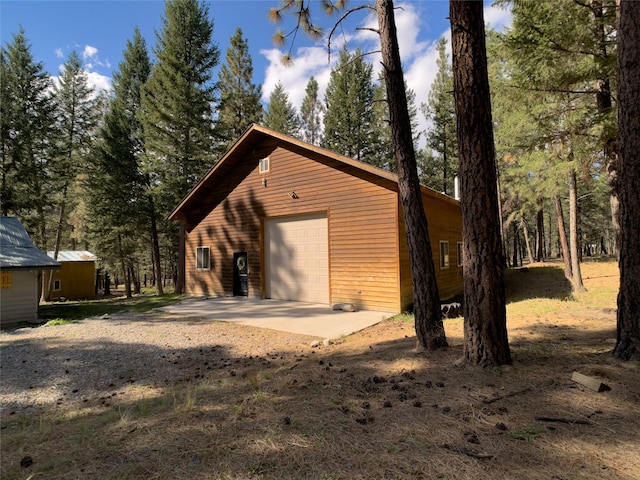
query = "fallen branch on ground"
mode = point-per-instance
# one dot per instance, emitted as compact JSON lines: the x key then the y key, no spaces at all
{"x":466,"y":451}
{"x":570,"y":421}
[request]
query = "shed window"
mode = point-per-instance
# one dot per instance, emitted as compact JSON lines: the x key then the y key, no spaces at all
{"x":203,"y":261}
{"x":264,"y":165}
{"x":7,"y":280}
{"x":444,"y":254}
{"x":460,"y":254}
{"x":56,"y":285}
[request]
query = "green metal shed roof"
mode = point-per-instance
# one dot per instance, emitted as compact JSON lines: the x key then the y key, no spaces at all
{"x":17,"y":251}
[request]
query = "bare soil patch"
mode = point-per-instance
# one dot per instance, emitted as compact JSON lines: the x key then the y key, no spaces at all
{"x":230,"y":402}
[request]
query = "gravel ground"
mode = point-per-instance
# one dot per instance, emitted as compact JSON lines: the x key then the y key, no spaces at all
{"x":97,"y":358}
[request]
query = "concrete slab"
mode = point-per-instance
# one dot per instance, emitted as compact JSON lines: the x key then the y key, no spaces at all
{"x":295,"y":317}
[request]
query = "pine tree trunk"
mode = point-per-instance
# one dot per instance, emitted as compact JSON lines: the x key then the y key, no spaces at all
{"x":562,"y":239}
{"x":540,"y":237}
{"x":502,"y":234}
{"x":135,"y":279}
{"x":515,"y":245}
{"x":426,"y":299}
{"x":574,"y":241}
{"x":628,"y":328}
{"x":155,"y":246}
{"x":525,"y":231}
{"x":123,"y":266}
{"x":44,"y":283}
{"x":485,"y":324}
{"x":178,"y":286}
{"x":58,"y":240}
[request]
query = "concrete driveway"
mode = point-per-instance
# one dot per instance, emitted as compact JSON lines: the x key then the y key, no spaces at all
{"x":295,"y":317}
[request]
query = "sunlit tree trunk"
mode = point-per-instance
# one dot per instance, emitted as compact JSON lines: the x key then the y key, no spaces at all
{"x":485,"y":324}
{"x":527,"y":240}
{"x":574,"y":241}
{"x":562,"y":239}
{"x":426,"y":299}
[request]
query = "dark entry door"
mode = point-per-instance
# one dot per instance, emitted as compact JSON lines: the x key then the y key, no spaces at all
{"x":240,"y":274}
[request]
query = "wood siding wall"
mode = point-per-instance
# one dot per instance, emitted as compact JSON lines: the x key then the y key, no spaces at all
{"x":445,"y":224}
{"x":77,"y":280}
{"x":362,"y":222}
{"x":20,"y":302}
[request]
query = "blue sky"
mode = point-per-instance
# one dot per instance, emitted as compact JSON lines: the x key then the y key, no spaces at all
{"x":98,"y":31}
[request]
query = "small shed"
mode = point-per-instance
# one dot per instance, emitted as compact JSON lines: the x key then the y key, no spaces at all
{"x":280,"y":218}
{"x":21,"y":264}
{"x":77,"y":275}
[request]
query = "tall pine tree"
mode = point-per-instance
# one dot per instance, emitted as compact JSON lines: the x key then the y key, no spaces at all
{"x":77,"y":119}
{"x":349,"y":116}
{"x":281,"y":115}
{"x":382,"y":155}
{"x":8,"y":179}
{"x":176,"y":111}
{"x":311,"y":112}
{"x":121,"y":208}
{"x":441,"y":137}
{"x":28,"y":135}
{"x":485,"y":322}
{"x":239,"y":98}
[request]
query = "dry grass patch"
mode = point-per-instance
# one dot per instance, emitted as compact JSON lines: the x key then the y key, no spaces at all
{"x":371,"y":407}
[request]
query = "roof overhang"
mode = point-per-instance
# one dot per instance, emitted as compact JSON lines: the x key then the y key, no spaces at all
{"x":25,"y":258}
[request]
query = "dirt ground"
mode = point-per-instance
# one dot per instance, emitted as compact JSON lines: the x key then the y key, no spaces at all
{"x":367,"y":407}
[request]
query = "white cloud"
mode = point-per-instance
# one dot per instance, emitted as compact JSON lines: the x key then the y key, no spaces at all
{"x":417,"y":49}
{"x":497,"y":18}
{"x":308,"y":61}
{"x":95,"y":80}
{"x":99,"y":82}
{"x":89,"y":52}
{"x":59,"y":53}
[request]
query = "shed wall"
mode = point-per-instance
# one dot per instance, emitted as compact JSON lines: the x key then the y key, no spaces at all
{"x":77,"y":280}
{"x":20,"y":302}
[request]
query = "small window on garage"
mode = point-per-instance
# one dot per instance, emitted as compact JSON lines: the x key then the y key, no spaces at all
{"x":203,"y":260}
{"x":56,"y":285}
{"x":264,"y":165}
{"x":7,"y":280}
{"x":460,"y":254}
{"x":444,"y":254}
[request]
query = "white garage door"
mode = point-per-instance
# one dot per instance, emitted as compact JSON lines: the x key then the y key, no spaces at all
{"x":297,"y":258}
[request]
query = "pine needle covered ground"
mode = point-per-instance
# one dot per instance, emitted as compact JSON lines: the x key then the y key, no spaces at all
{"x":367,"y":407}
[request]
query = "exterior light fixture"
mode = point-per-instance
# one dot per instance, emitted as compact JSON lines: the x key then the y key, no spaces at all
{"x":293,"y":194}
{"x":264,"y":182}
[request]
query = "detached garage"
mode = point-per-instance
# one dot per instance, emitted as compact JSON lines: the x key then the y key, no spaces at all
{"x":280,"y":218}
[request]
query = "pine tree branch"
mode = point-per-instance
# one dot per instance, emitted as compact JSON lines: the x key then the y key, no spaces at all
{"x":342,"y":19}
